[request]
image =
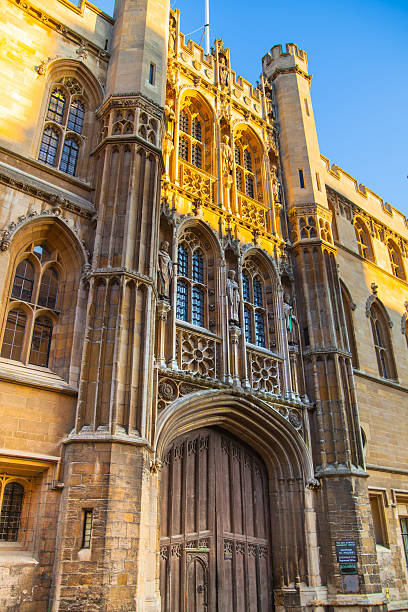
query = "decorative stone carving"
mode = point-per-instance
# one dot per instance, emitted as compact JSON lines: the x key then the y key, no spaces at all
{"x":313,"y":484}
{"x":290,"y":319}
{"x":227,"y":157}
{"x":233,"y":297}
{"x":155,"y":465}
{"x":295,"y":418}
{"x":167,"y":390}
{"x":165,"y":270}
{"x":265,"y":374}
{"x":198,"y":355}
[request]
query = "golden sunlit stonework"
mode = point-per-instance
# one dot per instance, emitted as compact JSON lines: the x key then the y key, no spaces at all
{"x":203,"y":332}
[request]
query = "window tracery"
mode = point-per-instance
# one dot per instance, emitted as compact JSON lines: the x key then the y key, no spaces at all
{"x":254,"y":311}
{"x":64,"y":123}
{"x":382,"y":341}
{"x":245,"y":170}
{"x":32,"y":306}
{"x":397,"y":266}
{"x":364,"y":245}
{"x":193,"y":137}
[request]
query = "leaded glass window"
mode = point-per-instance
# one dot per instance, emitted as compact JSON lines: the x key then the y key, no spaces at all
{"x":14,"y":332}
{"x":247,"y":160}
{"x":182,"y":301}
{"x":237,"y":155}
{"x":382,"y":342}
{"x":196,"y":129}
{"x":182,"y":261}
{"x":245,"y":288}
{"x":259,"y":328}
{"x":69,"y":156}
{"x":198,"y":306}
{"x":47,"y":296}
{"x":247,"y":322}
{"x":76,"y":116}
{"x":197,"y":156}
{"x":10,"y":517}
{"x":23,"y":281}
{"x":42,"y":252}
{"x":41,"y":342}
{"x":249,"y":186}
{"x":56,"y":106}
{"x":183,"y":148}
{"x":257,"y":292}
{"x":49,"y":146}
{"x":184,"y":122}
{"x":198,"y":267}
{"x":238,"y":175}
{"x":404,"y":532}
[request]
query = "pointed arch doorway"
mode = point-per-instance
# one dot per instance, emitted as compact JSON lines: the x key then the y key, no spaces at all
{"x":215,"y":526}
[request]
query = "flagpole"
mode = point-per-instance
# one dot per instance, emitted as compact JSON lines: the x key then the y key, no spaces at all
{"x":207,"y":26}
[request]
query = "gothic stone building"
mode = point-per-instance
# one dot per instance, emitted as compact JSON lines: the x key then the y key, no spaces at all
{"x":203,"y":332}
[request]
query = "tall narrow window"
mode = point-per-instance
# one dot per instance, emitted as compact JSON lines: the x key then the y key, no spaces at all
{"x":192,"y":281}
{"x":87,"y":531}
{"x":69,"y":156}
{"x":14,"y":333}
{"x":49,"y":146}
{"x":76,"y":116}
{"x":182,"y":301}
{"x":152,"y":74}
{"x":23,"y":281}
{"x":192,"y":141}
{"x":404,"y":533}
{"x":56,"y":106}
{"x":382,"y":342}
{"x":254,"y":311}
{"x":301,"y":179}
{"x":41,"y":342}
{"x":11,"y":507}
{"x":364,"y":245}
{"x":397,"y":266}
{"x":247,"y":174}
{"x":47,"y":296}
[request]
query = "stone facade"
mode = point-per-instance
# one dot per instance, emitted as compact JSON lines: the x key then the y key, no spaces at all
{"x":190,"y":290}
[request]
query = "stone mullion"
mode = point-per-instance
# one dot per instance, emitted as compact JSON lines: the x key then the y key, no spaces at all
{"x":357,"y":443}
{"x":287,"y":375}
{"x":119,"y":332}
{"x":305,"y":286}
{"x":130,"y":224}
{"x":331,"y":306}
{"x":102,"y":351}
{"x":146,"y":359}
{"x":117,"y":178}
{"x":343,"y":413}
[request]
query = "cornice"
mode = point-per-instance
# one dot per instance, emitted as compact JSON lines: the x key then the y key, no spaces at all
{"x":54,"y":24}
{"x":291,"y":70}
{"x":129,"y":99}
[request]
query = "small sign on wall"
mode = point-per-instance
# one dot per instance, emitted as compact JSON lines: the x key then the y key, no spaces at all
{"x":346,"y":551}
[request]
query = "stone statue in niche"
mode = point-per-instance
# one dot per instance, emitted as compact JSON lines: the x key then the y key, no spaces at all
{"x":227,"y":170}
{"x":165,"y":270}
{"x":224,"y":76}
{"x":290,"y":319}
{"x":227,"y":158}
{"x":233,"y":298}
{"x":275,"y":185}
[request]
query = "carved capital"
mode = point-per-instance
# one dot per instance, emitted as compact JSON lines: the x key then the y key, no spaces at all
{"x":163,"y":307}
{"x":313,"y":484}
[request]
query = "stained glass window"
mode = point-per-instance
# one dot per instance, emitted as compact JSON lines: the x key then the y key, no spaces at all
{"x":247,"y":322}
{"x":183,"y":148}
{"x":182,"y":261}
{"x":257,"y":292}
{"x":198,"y":267}
{"x":197,"y":306}
{"x":196,"y":130}
{"x":245,"y":287}
{"x":259,"y":328}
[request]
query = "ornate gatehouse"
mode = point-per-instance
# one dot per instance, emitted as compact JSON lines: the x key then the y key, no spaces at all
{"x":203,"y":332}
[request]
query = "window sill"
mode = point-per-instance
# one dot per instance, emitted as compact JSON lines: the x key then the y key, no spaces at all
{"x":16,"y":557}
{"x":196,"y":328}
{"x":33,"y":376}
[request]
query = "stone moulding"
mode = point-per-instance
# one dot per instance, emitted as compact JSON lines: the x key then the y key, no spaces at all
{"x":62,"y":29}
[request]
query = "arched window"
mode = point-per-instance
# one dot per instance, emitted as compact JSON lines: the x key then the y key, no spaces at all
{"x":65,"y":115}
{"x":363,"y":240}
{"x":192,"y":281}
{"x":254,"y":311}
{"x":32,"y":306}
{"x":382,"y":341}
{"x":195,"y":134}
{"x":397,"y":266}
{"x":248,"y":178}
{"x":23,"y":281}
{"x":11,"y":508}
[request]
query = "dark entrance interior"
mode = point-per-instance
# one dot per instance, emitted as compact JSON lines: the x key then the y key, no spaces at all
{"x":215,"y":535}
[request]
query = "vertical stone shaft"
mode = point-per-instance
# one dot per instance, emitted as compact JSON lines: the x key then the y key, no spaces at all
{"x":108,"y":457}
{"x":336,"y":441}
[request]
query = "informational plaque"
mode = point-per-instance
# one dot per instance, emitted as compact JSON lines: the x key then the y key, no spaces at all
{"x":346,"y":551}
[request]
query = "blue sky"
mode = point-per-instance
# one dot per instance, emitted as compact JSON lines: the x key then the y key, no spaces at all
{"x":357,"y":54}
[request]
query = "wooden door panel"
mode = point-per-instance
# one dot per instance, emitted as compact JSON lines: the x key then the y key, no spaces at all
{"x":214,"y":526}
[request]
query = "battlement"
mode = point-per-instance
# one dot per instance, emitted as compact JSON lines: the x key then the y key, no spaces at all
{"x":343,"y":182}
{"x":279,"y":59}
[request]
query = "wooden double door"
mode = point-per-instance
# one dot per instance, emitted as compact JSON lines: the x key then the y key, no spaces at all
{"x":215,"y":543}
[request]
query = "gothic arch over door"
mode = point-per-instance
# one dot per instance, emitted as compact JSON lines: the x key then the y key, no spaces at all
{"x":215,"y":526}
